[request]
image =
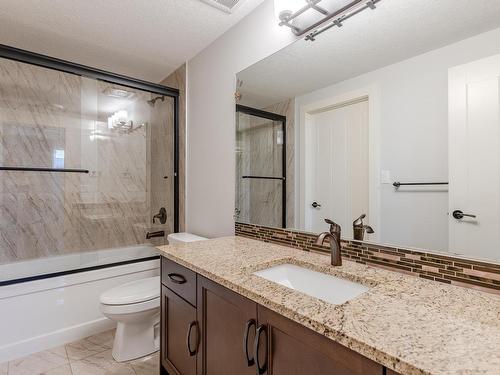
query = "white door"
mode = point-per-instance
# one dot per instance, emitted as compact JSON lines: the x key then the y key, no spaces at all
{"x":474,"y":157}
{"x":337,"y":149}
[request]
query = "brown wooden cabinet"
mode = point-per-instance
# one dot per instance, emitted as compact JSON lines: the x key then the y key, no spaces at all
{"x":178,"y":326}
{"x":293,"y":349}
{"x":220,"y":332}
{"x":224,"y":317}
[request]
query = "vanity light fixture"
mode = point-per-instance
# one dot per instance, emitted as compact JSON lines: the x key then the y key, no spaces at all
{"x":308,"y":16}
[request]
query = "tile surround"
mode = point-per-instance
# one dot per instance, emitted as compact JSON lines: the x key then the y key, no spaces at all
{"x":89,"y":356}
{"x":442,"y":268}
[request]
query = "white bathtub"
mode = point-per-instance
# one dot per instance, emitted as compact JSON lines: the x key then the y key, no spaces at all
{"x":60,"y":308}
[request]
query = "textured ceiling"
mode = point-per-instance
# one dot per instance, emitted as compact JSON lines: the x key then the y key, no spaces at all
{"x":146,"y":39}
{"x":395,"y":31}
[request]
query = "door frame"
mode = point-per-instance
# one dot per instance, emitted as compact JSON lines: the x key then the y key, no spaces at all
{"x":306,"y":111}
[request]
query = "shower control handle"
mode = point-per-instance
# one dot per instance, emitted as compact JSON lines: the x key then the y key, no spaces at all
{"x":457,"y":214}
{"x":315,"y":204}
{"x":161,"y":215}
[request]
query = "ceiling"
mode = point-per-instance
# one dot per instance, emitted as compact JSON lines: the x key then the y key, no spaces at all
{"x":146,"y":39}
{"x":395,"y":31}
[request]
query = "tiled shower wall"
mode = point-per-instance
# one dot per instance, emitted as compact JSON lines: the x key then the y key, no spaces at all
{"x":54,"y":119}
{"x":463,"y":272}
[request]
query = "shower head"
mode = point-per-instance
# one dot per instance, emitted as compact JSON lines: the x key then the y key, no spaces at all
{"x":152,"y":102}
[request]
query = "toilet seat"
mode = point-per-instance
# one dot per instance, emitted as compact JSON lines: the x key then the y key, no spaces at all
{"x":131,"y":307}
{"x":133,"y":293}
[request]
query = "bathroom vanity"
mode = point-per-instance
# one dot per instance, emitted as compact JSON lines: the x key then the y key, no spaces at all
{"x":222,"y":314}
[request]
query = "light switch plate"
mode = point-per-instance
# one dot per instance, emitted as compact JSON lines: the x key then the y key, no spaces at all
{"x":385,"y":176}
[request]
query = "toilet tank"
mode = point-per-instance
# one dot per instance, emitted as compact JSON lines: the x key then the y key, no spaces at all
{"x":183,"y":237}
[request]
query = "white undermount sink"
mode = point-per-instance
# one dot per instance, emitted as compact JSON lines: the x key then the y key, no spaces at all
{"x":316,"y":284}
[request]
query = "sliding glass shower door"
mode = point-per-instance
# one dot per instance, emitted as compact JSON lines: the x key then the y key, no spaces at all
{"x":260,"y":167}
{"x":87,"y":171}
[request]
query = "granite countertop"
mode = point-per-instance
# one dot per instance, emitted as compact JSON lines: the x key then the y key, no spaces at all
{"x":408,"y":324}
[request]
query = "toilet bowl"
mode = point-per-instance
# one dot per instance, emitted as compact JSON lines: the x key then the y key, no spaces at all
{"x":135,"y":307}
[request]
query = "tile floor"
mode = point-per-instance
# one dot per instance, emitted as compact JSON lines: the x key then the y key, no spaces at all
{"x":89,"y":356}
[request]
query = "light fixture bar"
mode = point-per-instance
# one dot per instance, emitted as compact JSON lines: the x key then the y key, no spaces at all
{"x":352,"y":11}
{"x":352,"y":8}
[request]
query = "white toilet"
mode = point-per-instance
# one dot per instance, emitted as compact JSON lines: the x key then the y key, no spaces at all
{"x":135,"y":306}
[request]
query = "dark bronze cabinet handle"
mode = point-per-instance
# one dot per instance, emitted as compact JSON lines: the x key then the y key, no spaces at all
{"x":177,"y":278}
{"x":248,"y":325}
{"x":260,"y":369}
{"x":188,"y":339}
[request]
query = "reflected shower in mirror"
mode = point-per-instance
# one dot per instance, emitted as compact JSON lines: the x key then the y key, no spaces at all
{"x":392,"y":129}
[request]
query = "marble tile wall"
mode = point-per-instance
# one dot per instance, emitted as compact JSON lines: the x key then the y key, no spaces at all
{"x":54,"y":119}
{"x":287,"y":109}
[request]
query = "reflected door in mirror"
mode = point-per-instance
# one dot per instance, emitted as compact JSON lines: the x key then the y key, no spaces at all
{"x":337,"y":164}
{"x":474,"y":131}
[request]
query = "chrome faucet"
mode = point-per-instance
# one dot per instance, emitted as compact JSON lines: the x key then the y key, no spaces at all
{"x":334,"y":237}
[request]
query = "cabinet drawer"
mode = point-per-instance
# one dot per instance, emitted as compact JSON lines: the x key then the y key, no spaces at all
{"x":179,"y":279}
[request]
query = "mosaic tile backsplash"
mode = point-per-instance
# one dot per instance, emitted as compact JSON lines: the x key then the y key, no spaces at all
{"x":442,"y":268}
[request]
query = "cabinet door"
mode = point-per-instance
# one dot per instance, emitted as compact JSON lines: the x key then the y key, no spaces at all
{"x":295,"y":350}
{"x":224,"y":317}
{"x":179,"y":334}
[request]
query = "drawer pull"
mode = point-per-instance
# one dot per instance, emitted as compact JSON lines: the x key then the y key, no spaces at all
{"x":177,"y":278}
{"x":248,"y":325}
{"x":260,"y":369}
{"x":188,"y":338}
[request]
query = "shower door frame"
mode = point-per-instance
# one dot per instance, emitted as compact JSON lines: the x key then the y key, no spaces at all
{"x":48,"y":62}
{"x":278,"y":118}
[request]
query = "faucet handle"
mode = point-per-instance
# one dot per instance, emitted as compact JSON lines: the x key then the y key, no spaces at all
{"x":334,"y":227}
{"x":359,"y":220}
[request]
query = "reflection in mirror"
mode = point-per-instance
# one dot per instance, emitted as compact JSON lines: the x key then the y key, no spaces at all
{"x":392,"y":129}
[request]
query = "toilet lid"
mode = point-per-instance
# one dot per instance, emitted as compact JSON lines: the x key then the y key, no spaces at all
{"x":133,"y":292}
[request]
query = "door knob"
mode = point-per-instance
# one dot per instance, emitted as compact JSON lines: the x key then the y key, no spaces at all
{"x":315,"y":204}
{"x":457,"y":214}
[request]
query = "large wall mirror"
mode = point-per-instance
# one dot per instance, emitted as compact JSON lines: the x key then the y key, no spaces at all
{"x":388,"y":125}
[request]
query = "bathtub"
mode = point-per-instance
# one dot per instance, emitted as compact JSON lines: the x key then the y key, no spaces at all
{"x":52,"y":301}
